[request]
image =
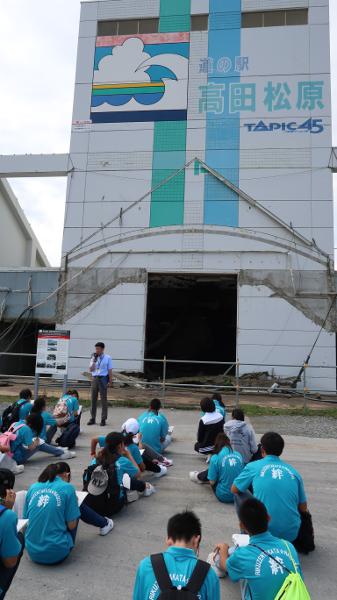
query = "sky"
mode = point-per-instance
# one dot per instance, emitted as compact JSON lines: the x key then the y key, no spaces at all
{"x":38,"y":42}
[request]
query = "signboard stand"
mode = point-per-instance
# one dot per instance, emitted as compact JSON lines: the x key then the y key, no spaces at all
{"x":52,"y":356}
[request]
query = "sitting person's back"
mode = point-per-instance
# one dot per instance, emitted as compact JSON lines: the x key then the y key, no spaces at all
{"x":224,"y":466}
{"x":153,"y":426}
{"x":210,"y":424}
{"x":278,"y":485}
{"x":52,"y":509}
{"x":241,"y":435}
{"x":180,"y":561}
{"x":263,"y":565}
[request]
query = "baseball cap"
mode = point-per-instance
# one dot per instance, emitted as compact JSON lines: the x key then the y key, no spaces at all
{"x":99,"y":481}
{"x":131,"y":426}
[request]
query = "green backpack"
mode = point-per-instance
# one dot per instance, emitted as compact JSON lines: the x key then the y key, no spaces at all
{"x":293,"y":587}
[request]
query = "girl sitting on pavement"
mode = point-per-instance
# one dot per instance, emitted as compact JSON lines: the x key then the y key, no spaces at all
{"x":224,"y":466}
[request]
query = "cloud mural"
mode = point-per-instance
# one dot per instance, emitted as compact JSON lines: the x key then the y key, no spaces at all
{"x":141,"y":76}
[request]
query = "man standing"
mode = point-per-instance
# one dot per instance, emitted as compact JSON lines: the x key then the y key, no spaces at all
{"x":101,"y":371}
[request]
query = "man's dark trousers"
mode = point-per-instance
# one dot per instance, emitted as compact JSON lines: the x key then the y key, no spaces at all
{"x":99,"y":385}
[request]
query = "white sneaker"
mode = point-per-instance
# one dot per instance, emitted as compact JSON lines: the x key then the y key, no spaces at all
{"x":105,"y":530}
{"x":194,"y":477}
{"x":213,"y":560}
{"x":132,"y":496}
{"x":167,"y":462}
{"x":149,"y":490}
{"x":162,"y":472}
{"x":67,"y":454}
{"x":18,"y":469}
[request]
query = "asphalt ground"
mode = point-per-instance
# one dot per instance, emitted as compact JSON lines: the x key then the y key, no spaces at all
{"x":105,"y":567}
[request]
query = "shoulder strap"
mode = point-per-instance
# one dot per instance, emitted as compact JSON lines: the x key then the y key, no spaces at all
{"x":161,"y":573}
{"x":273,"y":558}
{"x":198,"y":577}
{"x":290,"y":554}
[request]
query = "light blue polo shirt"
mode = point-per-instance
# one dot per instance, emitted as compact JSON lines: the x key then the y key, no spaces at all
{"x":48,"y":420}
{"x":280,"y":487}
{"x":219,"y":408}
{"x":9,"y":542}
{"x":166,"y":423}
{"x":223,"y":469}
{"x":49,"y":507}
{"x":24,"y":409}
{"x":264,"y":576}
{"x":153,"y":429}
{"x":133,"y":449}
{"x":24,"y":437}
{"x":180,"y":563}
{"x":103,"y":366}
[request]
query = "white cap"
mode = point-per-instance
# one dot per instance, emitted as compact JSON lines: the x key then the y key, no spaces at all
{"x":131,"y":426}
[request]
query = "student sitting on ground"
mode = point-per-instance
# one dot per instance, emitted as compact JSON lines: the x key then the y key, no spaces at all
{"x":219,"y":405}
{"x":142,"y":457}
{"x":88,"y":515}
{"x":264,"y":564}
{"x":241,"y":435}
{"x":66,"y":416}
{"x":11,"y":542}
{"x":154,"y":427}
{"x":210,"y":424}
{"x":27,"y":441}
{"x":18,"y":410}
{"x":39,"y":408}
{"x":278,"y":485}
{"x":225,"y":464}
{"x":114,"y":458}
{"x":178,"y":567}
{"x":52,"y":509}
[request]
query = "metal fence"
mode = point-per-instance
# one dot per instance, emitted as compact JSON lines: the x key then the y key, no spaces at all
{"x":239,"y":379}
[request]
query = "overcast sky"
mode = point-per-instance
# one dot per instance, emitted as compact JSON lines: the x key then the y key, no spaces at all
{"x":38,"y":40}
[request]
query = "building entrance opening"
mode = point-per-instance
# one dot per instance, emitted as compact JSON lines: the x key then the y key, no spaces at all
{"x":193,"y":318}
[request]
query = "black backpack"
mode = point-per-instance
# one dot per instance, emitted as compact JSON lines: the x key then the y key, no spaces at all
{"x":11,"y":415}
{"x":168,"y":591}
{"x":110,"y":499}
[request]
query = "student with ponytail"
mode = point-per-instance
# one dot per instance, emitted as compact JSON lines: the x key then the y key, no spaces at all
{"x":52,"y":509}
{"x":225,"y":464}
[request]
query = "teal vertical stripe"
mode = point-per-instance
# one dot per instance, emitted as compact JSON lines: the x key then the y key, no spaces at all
{"x":223,"y":127}
{"x":169,"y":150}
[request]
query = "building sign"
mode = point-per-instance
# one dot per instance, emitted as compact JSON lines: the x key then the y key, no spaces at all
{"x":141,"y":77}
{"x":52,"y":352}
{"x":275,"y":97}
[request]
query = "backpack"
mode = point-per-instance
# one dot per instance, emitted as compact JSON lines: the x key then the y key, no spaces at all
{"x":168,"y":591}
{"x":61,"y":412}
{"x":11,"y":415}
{"x":68,"y":438}
{"x":109,"y":500}
{"x":293,"y":587}
{"x":9,"y":436}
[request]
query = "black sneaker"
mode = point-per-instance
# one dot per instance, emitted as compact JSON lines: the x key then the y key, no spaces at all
{"x":102,"y":423}
{"x":91,"y":422}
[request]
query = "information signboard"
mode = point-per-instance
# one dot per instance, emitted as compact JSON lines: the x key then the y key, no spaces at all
{"x":52,"y":352}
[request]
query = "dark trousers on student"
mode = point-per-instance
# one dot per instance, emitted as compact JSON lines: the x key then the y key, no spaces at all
{"x":137,"y":484}
{"x":99,"y":385}
{"x":7,"y":575}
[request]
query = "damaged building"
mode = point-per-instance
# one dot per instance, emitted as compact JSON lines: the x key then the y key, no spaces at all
{"x":199,"y":211}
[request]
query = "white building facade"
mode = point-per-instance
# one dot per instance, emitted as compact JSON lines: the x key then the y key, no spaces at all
{"x":199,"y":215}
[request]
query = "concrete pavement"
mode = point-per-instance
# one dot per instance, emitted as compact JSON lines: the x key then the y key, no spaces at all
{"x":104,"y":567}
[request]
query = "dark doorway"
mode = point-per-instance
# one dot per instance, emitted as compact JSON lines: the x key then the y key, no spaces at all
{"x":21,"y":339}
{"x":190,"y":317}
